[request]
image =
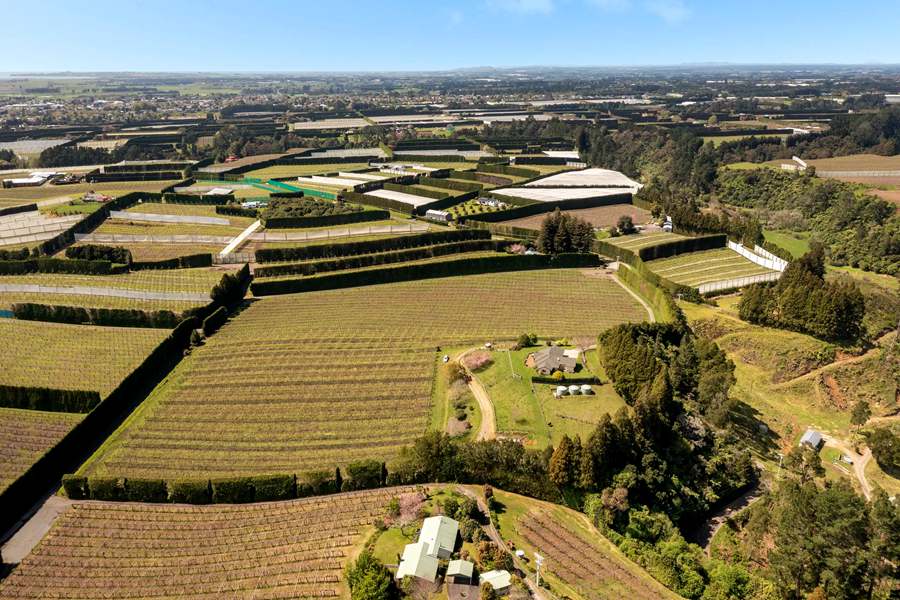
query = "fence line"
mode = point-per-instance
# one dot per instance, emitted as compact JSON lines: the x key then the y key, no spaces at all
{"x":774,"y":263}
{"x":162,"y":218}
{"x":234,"y":258}
{"x":738,"y":282}
{"x":766,"y":254}
{"x":299,"y":236}
{"x":110,"y":238}
{"x":83,"y":290}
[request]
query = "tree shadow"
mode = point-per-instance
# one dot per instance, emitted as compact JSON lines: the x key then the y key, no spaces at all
{"x":749,"y":426}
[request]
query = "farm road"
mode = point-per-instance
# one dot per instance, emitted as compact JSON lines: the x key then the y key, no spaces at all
{"x":488,"y":429}
{"x":25,"y":539}
{"x":84,"y":290}
{"x":859,"y":461}
{"x":650,"y":315}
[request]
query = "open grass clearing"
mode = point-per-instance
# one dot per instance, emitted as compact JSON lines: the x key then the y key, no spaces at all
{"x":279,"y":171}
{"x":197,"y":210}
{"x":110,"y":188}
{"x":152,"y":251}
{"x":308,"y":381}
{"x":530,"y":412}
{"x":797,"y":243}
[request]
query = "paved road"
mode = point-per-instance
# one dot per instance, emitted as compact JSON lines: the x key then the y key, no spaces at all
{"x":26,"y":538}
{"x":488,"y":428}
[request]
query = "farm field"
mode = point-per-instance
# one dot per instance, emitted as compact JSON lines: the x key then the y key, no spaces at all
{"x":127,"y":227}
{"x":199,"y":280}
{"x":339,"y":375}
{"x":600,"y":216}
{"x":579,"y":561}
{"x":278,"y":171}
{"x":25,"y":435}
{"x":199,"y":210}
{"x":797,"y":243}
{"x":696,"y":268}
{"x":72,"y":357}
{"x":293,"y":549}
{"x":855,"y":162}
{"x":644,"y":240}
{"x":7,"y":299}
{"x":530,"y":412}
{"x":721,"y":139}
{"x":111,"y":188}
{"x":151,"y":251}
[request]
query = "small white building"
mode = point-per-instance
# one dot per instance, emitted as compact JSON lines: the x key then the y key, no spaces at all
{"x":574,"y":389}
{"x":441,"y":216}
{"x":561,"y":391}
{"x":219,"y":191}
{"x":586,"y":389}
{"x":499,"y":580}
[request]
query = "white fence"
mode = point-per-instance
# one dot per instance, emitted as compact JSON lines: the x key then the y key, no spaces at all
{"x":111,"y":238}
{"x":160,"y":218}
{"x":324,"y":234}
{"x":766,"y":254}
{"x":857,"y":173}
{"x":83,"y":290}
{"x":770,"y":262}
{"x":737,"y":282}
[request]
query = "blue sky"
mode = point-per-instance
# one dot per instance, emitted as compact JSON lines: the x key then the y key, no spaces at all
{"x":306,"y":35}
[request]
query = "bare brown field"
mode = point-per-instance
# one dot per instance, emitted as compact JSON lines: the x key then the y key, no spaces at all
{"x":599,"y":216}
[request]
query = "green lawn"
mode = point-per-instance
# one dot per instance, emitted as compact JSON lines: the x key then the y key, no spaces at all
{"x":797,"y":243}
{"x":532,"y":412}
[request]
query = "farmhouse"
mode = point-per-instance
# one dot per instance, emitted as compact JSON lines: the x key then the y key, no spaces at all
{"x":812,"y":438}
{"x":416,"y":562}
{"x":499,"y":580}
{"x":438,"y":215}
{"x":439,"y":534}
{"x":552,"y":359}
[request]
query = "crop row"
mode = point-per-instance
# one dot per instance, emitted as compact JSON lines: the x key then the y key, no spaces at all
{"x":25,"y":435}
{"x":317,"y":380}
{"x":294,"y":549}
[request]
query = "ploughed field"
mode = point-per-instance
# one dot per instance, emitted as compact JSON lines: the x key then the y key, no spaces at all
{"x":25,"y":435}
{"x":294,"y":549}
{"x":309,"y":381}
{"x":696,"y":268}
{"x":72,"y":357}
{"x":598,"y":216}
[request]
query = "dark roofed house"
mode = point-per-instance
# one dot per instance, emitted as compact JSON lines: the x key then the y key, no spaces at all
{"x":551,"y":359}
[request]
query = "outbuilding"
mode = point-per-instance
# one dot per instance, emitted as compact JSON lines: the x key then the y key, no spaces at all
{"x":441,"y":216}
{"x":499,"y":580}
{"x":416,"y":562}
{"x":460,"y":571}
{"x":812,"y":438}
{"x":439,"y":535}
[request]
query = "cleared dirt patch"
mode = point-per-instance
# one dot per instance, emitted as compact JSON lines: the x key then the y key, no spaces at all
{"x":599,"y":216}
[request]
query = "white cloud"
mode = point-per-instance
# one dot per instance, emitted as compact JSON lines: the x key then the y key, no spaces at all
{"x":523,"y":6}
{"x":611,"y":5}
{"x":670,"y":11}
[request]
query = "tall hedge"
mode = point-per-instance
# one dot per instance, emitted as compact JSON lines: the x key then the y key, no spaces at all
{"x":450,"y":268}
{"x":188,"y":261}
{"x":111,"y":317}
{"x":460,"y":186}
{"x":333,"y":250}
{"x":190,"y":491}
{"x":380,"y":258}
{"x":146,"y":490}
{"x":363,"y":475}
{"x":114,"y":254}
{"x":683,"y":246}
{"x":326,"y":220}
{"x":396,"y":205}
{"x":56,"y":265}
{"x":213,"y":322}
{"x":232,"y":288}
{"x":408,"y":189}
{"x":52,"y":400}
{"x":237,"y":490}
{"x":236,"y":211}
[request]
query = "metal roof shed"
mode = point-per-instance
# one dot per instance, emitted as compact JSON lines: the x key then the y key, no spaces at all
{"x":460,"y":571}
{"x":499,"y":580}
{"x":812,"y":438}
{"x":417,"y":563}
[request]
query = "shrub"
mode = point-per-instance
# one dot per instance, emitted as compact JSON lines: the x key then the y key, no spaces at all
{"x":238,"y":490}
{"x":37,"y":398}
{"x":106,"y":488}
{"x":116,"y":254}
{"x":364,"y":474}
{"x":76,"y":487}
{"x":317,"y":483}
{"x":146,"y":490}
{"x":480,"y":359}
{"x":213,"y":322}
{"x":190,"y":492}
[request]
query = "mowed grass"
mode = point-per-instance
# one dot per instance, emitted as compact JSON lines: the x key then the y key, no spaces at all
{"x":643,"y":240}
{"x":579,"y":562}
{"x":294,"y":549}
{"x":696,"y":268}
{"x":152,"y":251}
{"x":72,"y":357}
{"x":795,"y":243}
{"x":194,"y":210}
{"x":128,"y":227}
{"x":25,"y":435}
{"x":309,"y":381}
{"x":530,"y":411}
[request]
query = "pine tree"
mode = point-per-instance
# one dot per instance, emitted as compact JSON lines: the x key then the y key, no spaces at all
{"x":562,"y":463}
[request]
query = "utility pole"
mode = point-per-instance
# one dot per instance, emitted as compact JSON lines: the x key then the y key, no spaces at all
{"x":538,"y":561}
